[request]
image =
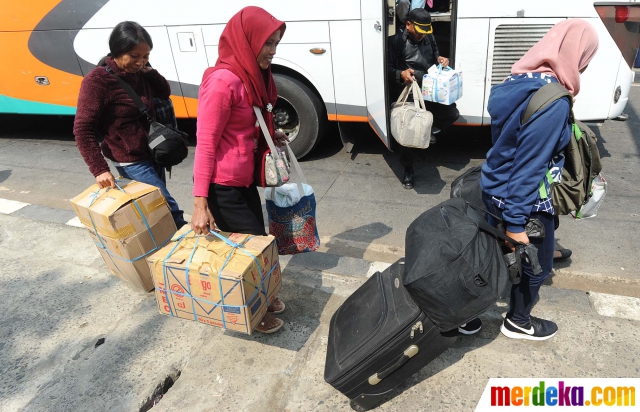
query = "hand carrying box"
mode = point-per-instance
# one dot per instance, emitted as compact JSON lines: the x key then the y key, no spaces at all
{"x":223,"y":279}
{"x":127,"y":224}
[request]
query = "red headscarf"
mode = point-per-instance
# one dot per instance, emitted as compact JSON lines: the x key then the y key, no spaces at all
{"x":240,"y":43}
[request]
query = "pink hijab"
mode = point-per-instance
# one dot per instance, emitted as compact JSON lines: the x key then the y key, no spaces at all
{"x":565,"y":50}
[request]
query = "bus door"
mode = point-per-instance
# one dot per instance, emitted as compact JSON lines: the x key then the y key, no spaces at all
{"x":91,"y":44}
{"x":190,"y":56}
{"x":374,"y":38}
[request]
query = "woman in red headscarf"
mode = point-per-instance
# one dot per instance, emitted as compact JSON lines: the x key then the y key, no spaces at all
{"x":229,"y":138}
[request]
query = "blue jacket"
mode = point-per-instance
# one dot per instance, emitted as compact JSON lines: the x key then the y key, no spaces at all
{"x":521,"y":155}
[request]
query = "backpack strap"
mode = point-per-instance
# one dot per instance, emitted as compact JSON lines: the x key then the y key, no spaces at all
{"x":134,"y":96}
{"x":542,"y":98}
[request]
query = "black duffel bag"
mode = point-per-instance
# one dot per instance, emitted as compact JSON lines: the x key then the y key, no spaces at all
{"x":467,"y":186}
{"x":169,"y":146}
{"x":455,"y":267}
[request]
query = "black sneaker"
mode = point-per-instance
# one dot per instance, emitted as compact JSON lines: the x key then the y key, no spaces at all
{"x":432,"y":139}
{"x":535,"y":329}
{"x":407,"y":182}
{"x":470,"y":327}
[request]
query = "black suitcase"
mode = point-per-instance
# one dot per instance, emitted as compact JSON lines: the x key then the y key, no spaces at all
{"x":378,"y":338}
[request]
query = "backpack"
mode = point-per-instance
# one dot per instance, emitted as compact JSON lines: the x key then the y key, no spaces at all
{"x":455,"y":267}
{"x":582,"y":158}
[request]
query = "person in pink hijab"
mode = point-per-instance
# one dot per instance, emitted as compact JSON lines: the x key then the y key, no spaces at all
{"x":564,"y":53}
{"x":523,"y":153}
{"x":540,"y":59}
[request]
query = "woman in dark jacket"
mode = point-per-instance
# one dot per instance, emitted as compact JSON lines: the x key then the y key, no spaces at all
{"x":106,"y":111}
{"x":522,"y":155}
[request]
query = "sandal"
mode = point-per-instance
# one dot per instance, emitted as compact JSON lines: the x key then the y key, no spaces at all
{"x":273,"y":329}
{"x":277,"y":312}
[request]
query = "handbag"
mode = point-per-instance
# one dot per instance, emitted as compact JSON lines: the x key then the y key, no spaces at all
{"x":291,"y":209}
{"x":411,"y":123}
{"x":169,"y":146}
{"x":596,"y":196}
{"x":275,"y":163}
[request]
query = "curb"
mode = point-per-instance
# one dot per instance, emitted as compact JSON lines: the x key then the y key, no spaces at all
{"x":608,"y":296}
{"x":339,"y":265}
{"x":319,"y":261}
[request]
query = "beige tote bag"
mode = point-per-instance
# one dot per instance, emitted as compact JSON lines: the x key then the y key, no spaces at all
{"x":411,"y":122}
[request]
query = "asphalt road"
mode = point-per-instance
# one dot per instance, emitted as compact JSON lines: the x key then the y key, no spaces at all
{"x":363,"y":211}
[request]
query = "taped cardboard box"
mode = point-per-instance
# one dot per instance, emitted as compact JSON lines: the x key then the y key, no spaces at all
{"x":127,"y":224}
{"x":203,"y":278}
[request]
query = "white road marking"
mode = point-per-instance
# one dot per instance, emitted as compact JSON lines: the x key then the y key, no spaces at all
{"x":377,"y":267}
{"x":75,"y":222}
{"x":616,"y":306}
{"x":370,"y":247}
{"x":9,"y":206}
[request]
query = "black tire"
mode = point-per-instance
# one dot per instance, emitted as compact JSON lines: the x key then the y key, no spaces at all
{"x":300,"y":113}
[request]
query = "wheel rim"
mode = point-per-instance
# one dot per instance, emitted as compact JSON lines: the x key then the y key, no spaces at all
{"x":286,"y":118}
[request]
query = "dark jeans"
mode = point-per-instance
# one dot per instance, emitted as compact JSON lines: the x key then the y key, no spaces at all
{"x":237,"y":209}
{"x":443,"y":117}
{"x":153,"y":174}
{"x":525,"y":293}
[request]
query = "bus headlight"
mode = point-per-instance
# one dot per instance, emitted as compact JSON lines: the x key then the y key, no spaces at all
{"x":617,"y":94}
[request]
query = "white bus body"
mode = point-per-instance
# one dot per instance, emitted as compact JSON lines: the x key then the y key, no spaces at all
{"x":330,"y":64}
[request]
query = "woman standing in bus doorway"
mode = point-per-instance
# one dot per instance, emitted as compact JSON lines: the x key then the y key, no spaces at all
{"x":229,"y":138}
{"x":521,"y":156}
{"x":107,"y":111}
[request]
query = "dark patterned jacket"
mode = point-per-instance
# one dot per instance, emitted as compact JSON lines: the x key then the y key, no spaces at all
{"x":105,"y":111}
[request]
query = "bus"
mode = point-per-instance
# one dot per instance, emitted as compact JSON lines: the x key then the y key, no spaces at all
{"x":330,"y":65}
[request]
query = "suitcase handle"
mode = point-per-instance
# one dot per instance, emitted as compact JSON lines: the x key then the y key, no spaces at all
{"x":408,"y":354}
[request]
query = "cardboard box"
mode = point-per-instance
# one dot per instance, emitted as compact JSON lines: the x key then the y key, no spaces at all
{"x":203,"y":278}
{"x":121,"y":223}
{"x":442,"y":86}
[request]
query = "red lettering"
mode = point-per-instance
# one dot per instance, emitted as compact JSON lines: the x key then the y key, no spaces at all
{"x":181,"y":305}
{"x":164,"y":299}
{"x":205,"y":285}
{"x":166,"y":309}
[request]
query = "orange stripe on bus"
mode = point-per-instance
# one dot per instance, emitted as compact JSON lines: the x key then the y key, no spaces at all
{"x":21,"y":67}
{"x":347,"y":118}
{"x":24,"y":14}
{"x":192,"y":107}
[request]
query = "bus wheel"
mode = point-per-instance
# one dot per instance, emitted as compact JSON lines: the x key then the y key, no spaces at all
{"x":299,"y":113}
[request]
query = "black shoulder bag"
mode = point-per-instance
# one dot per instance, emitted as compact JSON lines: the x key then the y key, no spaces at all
{"x":168,"y":145}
